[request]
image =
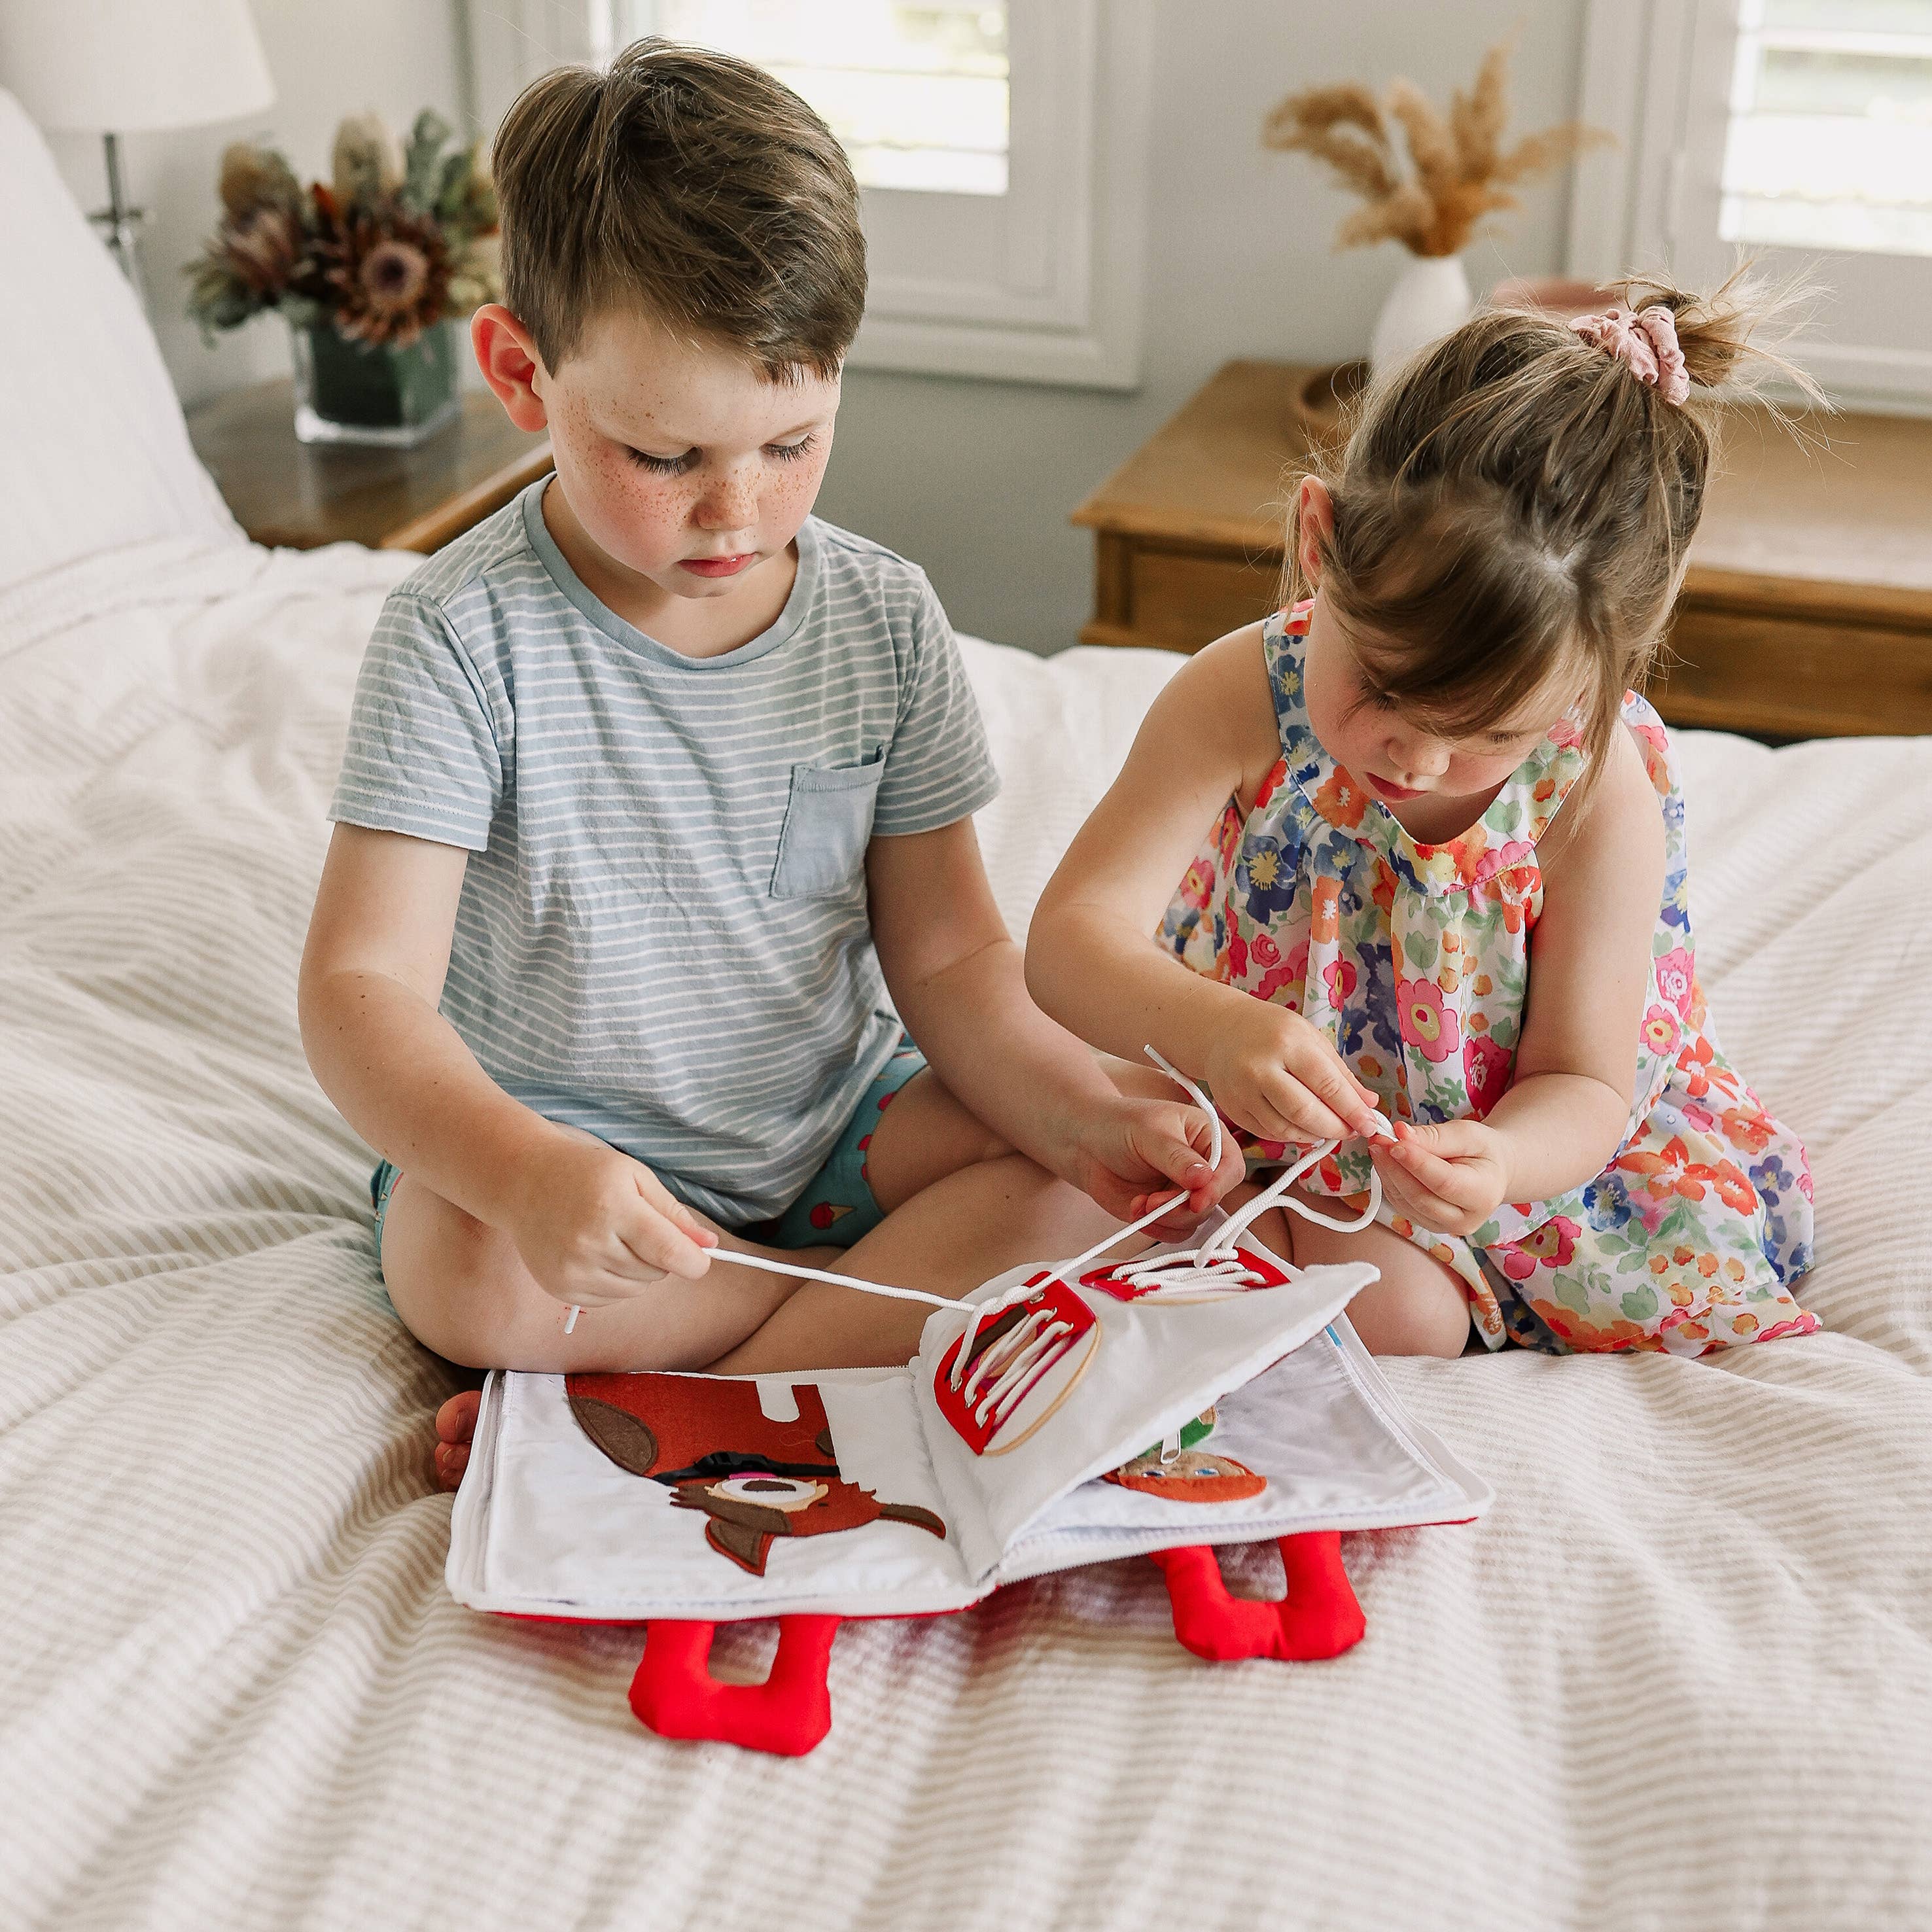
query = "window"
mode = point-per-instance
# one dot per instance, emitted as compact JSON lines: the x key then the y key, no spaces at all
{"x":998,"y":144}
{"x":1798,"y":132}
{"x":1830,"y":144}
{"x":917,"y":94}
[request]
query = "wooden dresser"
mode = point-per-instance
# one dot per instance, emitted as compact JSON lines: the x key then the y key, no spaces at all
{"x":1807,"y":611}
{"x":302,"y":494}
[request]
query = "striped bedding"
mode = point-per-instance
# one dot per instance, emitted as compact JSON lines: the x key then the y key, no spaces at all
{"x":1681,"y":1676}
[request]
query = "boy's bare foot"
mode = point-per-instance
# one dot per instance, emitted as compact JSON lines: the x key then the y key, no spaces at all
{"x":456,"y":1420}
{"x":455,"y":1424}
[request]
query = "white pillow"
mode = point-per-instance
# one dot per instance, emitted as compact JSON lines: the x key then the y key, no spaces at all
{"x":96,"y":454}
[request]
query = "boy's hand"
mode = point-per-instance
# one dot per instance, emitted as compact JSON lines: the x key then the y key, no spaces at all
{"x":1450,"y":1178}
{"x":594,"y":1226}
{"x":1272,"y":1073}
{"x":1138,"y":1150}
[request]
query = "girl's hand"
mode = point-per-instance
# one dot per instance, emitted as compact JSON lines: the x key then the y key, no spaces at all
{"x":1138,"y":1150}
{"x":1272,"y":1073}
{"x":1450,"y":1178}
{"x":594,"y":1226}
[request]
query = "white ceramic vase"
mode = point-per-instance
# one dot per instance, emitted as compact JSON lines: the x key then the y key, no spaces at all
{"x":1430,"y":297}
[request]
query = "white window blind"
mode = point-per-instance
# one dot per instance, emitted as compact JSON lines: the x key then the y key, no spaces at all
{"x":1830,"y":140}
{"x":917,"y":94}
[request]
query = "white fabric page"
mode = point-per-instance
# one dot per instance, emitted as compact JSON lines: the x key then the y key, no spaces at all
{"x":1157,"y":1365}
{"x":558,"y":1529}
{"x":1320,"y":1429}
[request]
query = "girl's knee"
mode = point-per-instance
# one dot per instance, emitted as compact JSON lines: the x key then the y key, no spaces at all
{"x":1425,"y":1318}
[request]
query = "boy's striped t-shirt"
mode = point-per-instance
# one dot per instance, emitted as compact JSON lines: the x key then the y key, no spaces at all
{"x":663,"y":935}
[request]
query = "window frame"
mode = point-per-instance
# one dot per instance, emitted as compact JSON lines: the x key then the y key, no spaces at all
{"x":1043,"y":284}
{"x":1657,"y":77}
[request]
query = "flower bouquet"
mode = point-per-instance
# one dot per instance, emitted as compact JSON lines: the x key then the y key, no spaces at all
{"x":366,"y":269}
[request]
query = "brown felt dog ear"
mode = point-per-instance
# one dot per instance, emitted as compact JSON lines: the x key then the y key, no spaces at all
{"x":621,"y":1436}
{"x":911,"y":1512}
{"x":744,"y":1543}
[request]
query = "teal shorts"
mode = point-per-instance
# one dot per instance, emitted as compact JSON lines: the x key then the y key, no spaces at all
{"x":837,"y":1206}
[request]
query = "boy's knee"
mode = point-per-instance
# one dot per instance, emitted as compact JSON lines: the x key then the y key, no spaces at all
{"x":928,"y":1133}
{"x":452,"y":1279}
{"x":489,"y":1323}
{"x":469,"y":1323}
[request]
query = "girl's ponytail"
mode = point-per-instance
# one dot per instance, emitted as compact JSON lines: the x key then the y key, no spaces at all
{"x":1726,"y":337}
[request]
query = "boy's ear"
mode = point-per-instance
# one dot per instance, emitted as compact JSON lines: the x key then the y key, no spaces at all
{"x":510,"y":364}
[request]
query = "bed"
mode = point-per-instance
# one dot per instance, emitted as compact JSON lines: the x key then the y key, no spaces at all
{"x":1681,"y":1676}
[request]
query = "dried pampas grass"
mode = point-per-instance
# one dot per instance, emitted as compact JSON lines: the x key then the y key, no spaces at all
{"x":1458,"y":171}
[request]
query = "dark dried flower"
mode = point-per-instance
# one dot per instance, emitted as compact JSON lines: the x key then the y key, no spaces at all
{"x":263,"y":250}
{"x":404,"y":237}
{"x":394,"y":275}
{"x":390,"y":274}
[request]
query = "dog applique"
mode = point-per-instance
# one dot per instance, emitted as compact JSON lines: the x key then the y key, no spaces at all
{"x":710,"y":1442}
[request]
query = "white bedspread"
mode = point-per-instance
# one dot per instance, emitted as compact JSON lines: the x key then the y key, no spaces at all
{"x":1681,"y":1676}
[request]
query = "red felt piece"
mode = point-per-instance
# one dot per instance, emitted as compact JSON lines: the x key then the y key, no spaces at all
{"x":675,"y":1694}
{"x":1055,"y":1299}
{"x":691,"y":1417}
{"x":1317,"y":1617}
{"x":1107,"y":1278}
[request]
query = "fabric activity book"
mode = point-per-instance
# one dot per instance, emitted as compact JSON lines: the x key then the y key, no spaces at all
{"x":1160,"y":1406}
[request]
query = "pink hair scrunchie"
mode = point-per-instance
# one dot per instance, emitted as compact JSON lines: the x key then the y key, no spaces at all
{"x":1645,"y":343}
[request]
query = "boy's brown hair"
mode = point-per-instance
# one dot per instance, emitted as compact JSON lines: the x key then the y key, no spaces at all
{"x":1513,"y":506}
{"x":693,"y":184}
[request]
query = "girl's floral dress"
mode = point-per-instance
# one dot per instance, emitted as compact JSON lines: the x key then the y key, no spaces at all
{"x":1414,"y":960}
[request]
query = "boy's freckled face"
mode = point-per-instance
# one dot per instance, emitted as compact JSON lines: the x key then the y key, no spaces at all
{"x":680,"y":461}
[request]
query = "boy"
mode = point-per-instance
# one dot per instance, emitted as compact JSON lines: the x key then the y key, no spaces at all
{"x":656,"y":787}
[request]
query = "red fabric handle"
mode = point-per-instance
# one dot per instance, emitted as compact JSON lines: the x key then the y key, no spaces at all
{"x":675,"y":1694}
{"x":1317,"y":1617}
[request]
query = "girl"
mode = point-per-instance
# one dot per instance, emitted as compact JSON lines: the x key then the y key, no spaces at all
{"x":1422,"y":791}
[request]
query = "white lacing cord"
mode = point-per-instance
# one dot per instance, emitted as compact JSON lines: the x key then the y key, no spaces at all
{"x":1153,"y":1214}
{"x":1275,"y":1194}
{"x":1209,"y":1269}
{"x":1005,"y":1373}
{"x":1201,"y":1279}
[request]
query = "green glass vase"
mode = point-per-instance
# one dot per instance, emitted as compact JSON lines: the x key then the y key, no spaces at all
{"x":395,"y":397}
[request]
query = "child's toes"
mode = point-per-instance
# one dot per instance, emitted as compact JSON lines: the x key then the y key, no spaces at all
{"x":456,"y":1421}
{"x":455,"y":1424}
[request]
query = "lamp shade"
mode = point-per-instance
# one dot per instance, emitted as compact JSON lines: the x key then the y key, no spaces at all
{"x":127,"y":66}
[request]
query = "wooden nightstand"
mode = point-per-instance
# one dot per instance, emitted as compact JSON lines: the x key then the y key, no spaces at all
{"x":303,"y":494}
{"x":1807,"y":611}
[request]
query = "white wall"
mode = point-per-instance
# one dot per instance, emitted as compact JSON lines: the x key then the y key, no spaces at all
{"x":328,"y":57}
{"x":975,"y":480}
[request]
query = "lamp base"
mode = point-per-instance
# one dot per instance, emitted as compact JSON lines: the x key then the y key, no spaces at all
{"x":120,"y":224}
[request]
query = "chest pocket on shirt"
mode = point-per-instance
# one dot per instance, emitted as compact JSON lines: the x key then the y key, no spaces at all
{"x":828,"y":824}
